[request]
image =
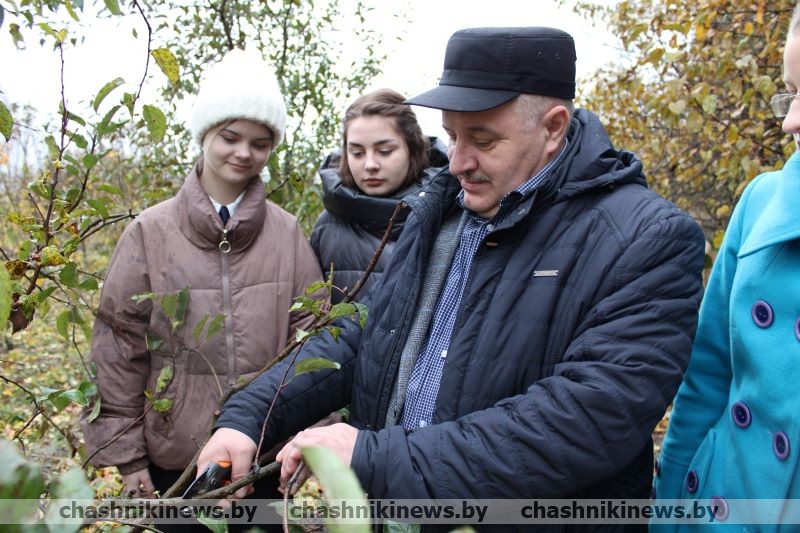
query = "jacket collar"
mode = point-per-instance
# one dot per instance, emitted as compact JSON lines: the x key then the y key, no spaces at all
{"x":200,"y":223}
{"x":589,"y":163}
{"x":372,"y":212}
{"x":778,"y":221}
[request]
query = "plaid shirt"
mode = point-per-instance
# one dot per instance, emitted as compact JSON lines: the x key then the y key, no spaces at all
{"x":423,"y":386}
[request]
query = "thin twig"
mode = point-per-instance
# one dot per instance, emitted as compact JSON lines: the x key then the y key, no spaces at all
{"x":116,"y":437}
{"x":149,"y":42}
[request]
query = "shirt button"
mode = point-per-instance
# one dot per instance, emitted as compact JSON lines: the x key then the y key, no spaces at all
{"x":444,"y":354}
{"x":490,"y":227}
{"x":422,"y":423}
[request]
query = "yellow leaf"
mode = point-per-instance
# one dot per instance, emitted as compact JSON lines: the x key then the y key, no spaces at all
{"x":723,"y":211}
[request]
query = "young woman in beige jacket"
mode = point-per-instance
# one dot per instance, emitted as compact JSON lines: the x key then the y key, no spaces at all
{"x":241,"y":257}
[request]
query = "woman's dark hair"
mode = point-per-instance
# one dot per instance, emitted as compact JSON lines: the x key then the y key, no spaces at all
{"x":388,"y":103}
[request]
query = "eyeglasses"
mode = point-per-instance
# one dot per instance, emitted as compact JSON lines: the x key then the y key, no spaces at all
{"x":781,"y":103}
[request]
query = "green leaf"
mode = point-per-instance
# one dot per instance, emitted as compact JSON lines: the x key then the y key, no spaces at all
{"x":314,"y":287}
{"x":71,"y":11}
{"x":57,"y":400}
{"x":69,"y":275}
{"x":75,"y":118}
{"x":183,"y":305}
{"x":113,"y":6}
{"x":198,"y":329}
{"x":62,"y":323}
{"x":88,"y":388}
{"x":75,"y":395}
{"x":70,"y":245}
{"x":129,"y":99}
{"x":52,"y":147}
{"x":168,"y":64}
{"x":301,"y":334}
{"x":217,"y":525}
{"x":103,"y":127}
{"x":363,"y":314}
{"x":99,"y":206}
{"x":156,"y":122}
{"x":335,"y":332}
{"x":106,"y":89}
{"x":21,"y":485}
{"x":71,"y":485}
{"x":215,"y":326}
{"x":95,"y":409}
{"x":139,"y":298}
{"x":89,"y":284}
{"x":6,"y":122}
{"x":89,"y":161}
{"x":5,"y":297}
{"x":49,"y":31}
{"x":152,"y":342}
{"x":43,"y":295}
{"x":162,"y":406}
{"x":342,"y":309}
{"x":110,"y":189}
{"x":340,"y":484}
{"x":164,"y":379}
{"x":313,"y":364}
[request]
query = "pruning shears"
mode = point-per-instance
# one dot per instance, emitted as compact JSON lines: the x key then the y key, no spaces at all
{"x":213,"y":477}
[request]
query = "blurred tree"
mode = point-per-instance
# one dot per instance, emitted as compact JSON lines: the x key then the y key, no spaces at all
{"x":692,"y":96}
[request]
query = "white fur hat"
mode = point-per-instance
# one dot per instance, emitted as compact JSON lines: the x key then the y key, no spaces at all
{"x":241,"y":86}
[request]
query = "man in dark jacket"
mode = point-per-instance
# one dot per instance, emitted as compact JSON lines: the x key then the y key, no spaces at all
{"x":535,"y":321}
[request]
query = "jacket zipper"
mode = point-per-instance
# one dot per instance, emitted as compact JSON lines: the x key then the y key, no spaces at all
{"x":227,"y":307}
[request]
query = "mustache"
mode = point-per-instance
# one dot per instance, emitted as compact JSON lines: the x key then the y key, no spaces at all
{"x":474,"y":178}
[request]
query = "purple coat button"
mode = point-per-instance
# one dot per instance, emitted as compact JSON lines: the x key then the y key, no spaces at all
{"x":780,"y":445}
{"x":691,"y":481}
{"x":762,"y":314}
{"x":720,"y":507}
{"x":797,"y":328}
{"x":741,"y":414}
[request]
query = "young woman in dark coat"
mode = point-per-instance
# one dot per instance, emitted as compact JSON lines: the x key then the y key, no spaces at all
{"x":384,"y":157}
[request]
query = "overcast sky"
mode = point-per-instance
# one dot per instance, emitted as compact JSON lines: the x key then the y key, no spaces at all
{"x":414,"y":42}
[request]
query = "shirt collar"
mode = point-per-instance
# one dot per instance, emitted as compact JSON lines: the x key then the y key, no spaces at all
{"x":231,"y":206}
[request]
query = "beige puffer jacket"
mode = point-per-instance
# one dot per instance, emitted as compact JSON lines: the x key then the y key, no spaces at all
{"x":170,"y":246}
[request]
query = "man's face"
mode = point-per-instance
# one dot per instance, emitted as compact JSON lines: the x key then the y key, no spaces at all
{"x":493,"y":152}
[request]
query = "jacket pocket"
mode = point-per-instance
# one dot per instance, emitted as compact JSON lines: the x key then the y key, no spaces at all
{"x":696,"y":479}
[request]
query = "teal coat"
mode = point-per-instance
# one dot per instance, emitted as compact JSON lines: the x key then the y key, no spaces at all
{"x":734,"y":432}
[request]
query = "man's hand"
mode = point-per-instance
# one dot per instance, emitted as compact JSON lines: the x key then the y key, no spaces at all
{"x":138,"y":485}
{"x":233,"y":446}
{"x":340,"y":438}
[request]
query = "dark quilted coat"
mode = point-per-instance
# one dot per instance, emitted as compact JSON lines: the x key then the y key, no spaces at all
{"x":572,"y":337}
{"x":350,"y":229}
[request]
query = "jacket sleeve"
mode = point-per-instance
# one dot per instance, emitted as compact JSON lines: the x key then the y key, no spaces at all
{"x":305,"y":399}
{"x":704,"y":393}
{"x":121,"y":358}
{"x":593,"y":416}
{"x":306,"y":272}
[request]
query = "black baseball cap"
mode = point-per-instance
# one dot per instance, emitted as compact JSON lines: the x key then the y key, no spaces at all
{"x":487,"y":67}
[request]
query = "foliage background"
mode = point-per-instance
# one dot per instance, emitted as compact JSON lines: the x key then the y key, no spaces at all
{"x":689,"y":94}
